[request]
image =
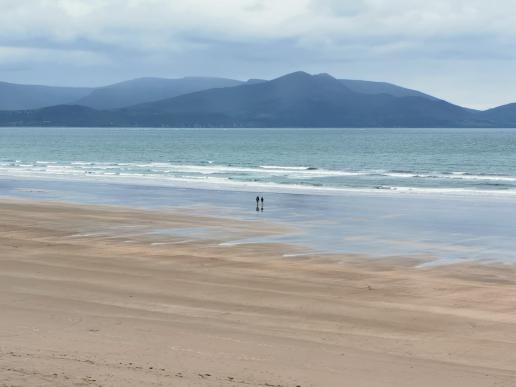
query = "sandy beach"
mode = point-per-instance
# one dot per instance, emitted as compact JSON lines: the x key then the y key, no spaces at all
{"x":106,"y":296}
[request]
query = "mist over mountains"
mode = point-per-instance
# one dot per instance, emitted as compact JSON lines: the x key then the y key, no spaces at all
{"x":18,"y":97}
{"x":143,"y":90}
{"x":293,"y":100}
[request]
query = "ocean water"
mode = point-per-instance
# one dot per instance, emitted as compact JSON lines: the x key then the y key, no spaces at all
{"x":446,"y":194}
{"x":448,"y":161}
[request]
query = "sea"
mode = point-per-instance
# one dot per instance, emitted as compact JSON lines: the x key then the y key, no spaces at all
{"x":445,"y":193}
{"x":467,"y":161}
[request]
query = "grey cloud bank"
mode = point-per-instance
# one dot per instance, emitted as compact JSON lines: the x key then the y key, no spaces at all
{"x":463,"y":51}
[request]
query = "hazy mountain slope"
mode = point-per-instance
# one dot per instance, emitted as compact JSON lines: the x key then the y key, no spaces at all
{"x":294,"y":100}
{"x":298,"y":99}
{"x":369,"y":87}
{"x":60,"y":115}
{"x":15,"y":97}
{"x":143,"y":90}
{"x":504,"y":115}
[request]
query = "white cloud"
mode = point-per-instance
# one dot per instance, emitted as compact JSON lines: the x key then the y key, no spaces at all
{"x":115,"y":20}
{"x":47,"y":55}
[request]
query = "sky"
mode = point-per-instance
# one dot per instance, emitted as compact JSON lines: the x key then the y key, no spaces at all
{"x":458,"y":50}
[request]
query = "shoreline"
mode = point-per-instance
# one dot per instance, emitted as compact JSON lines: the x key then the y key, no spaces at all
{"x":93,"y":295}
{"x":276,"y":188}
{"x":449,"y":228}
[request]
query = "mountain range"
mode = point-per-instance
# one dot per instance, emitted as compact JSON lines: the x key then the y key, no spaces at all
{"x":18,"y":97}
{"x":294,"y":100}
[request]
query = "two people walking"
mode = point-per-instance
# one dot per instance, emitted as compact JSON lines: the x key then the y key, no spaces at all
{"x":258,"y":199}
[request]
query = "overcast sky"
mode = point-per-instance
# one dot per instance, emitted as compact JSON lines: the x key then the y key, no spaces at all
{"x":462,"y":51}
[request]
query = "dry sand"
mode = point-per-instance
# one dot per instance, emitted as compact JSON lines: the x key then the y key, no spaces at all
{"x":89,"y":296}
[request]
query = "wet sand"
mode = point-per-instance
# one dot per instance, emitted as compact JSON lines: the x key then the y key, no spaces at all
{"x":107,"y":296}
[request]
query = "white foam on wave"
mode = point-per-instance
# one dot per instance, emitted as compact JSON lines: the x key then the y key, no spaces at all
{"x":213,"y":169}
{"x":82,"y":163}
{"x":253,"y":186}
{"x":241,"y":178}
{"x":285,"y":168}
{"x":263,"y":171}
{"x":486,"y":177}
{"x":451,"y":175}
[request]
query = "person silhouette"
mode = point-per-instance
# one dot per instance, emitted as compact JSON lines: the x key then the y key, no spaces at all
{"x":262,"y":203}
{"x":257,"y":203}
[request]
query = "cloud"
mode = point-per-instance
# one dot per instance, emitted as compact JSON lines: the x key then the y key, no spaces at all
{"x":373,"y":39}
{"x":152,"y":24}
{"x":45,"y":55}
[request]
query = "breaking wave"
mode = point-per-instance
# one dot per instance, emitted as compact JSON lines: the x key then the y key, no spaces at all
{"x":275,"y":177}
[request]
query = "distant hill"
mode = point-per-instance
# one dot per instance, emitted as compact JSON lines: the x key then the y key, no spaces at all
{"x":505,"y":115}
{"x":133,"y":92}
{"x":143,"y":90}
{"x":369,"y":87}
{"x":60,"y":115}
{"x":294,"y":100}
{"x":16,"y":97}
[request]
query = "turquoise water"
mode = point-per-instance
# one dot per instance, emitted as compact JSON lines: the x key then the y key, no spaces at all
{"x":442,"y":193}
{"x":479,"y":161}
